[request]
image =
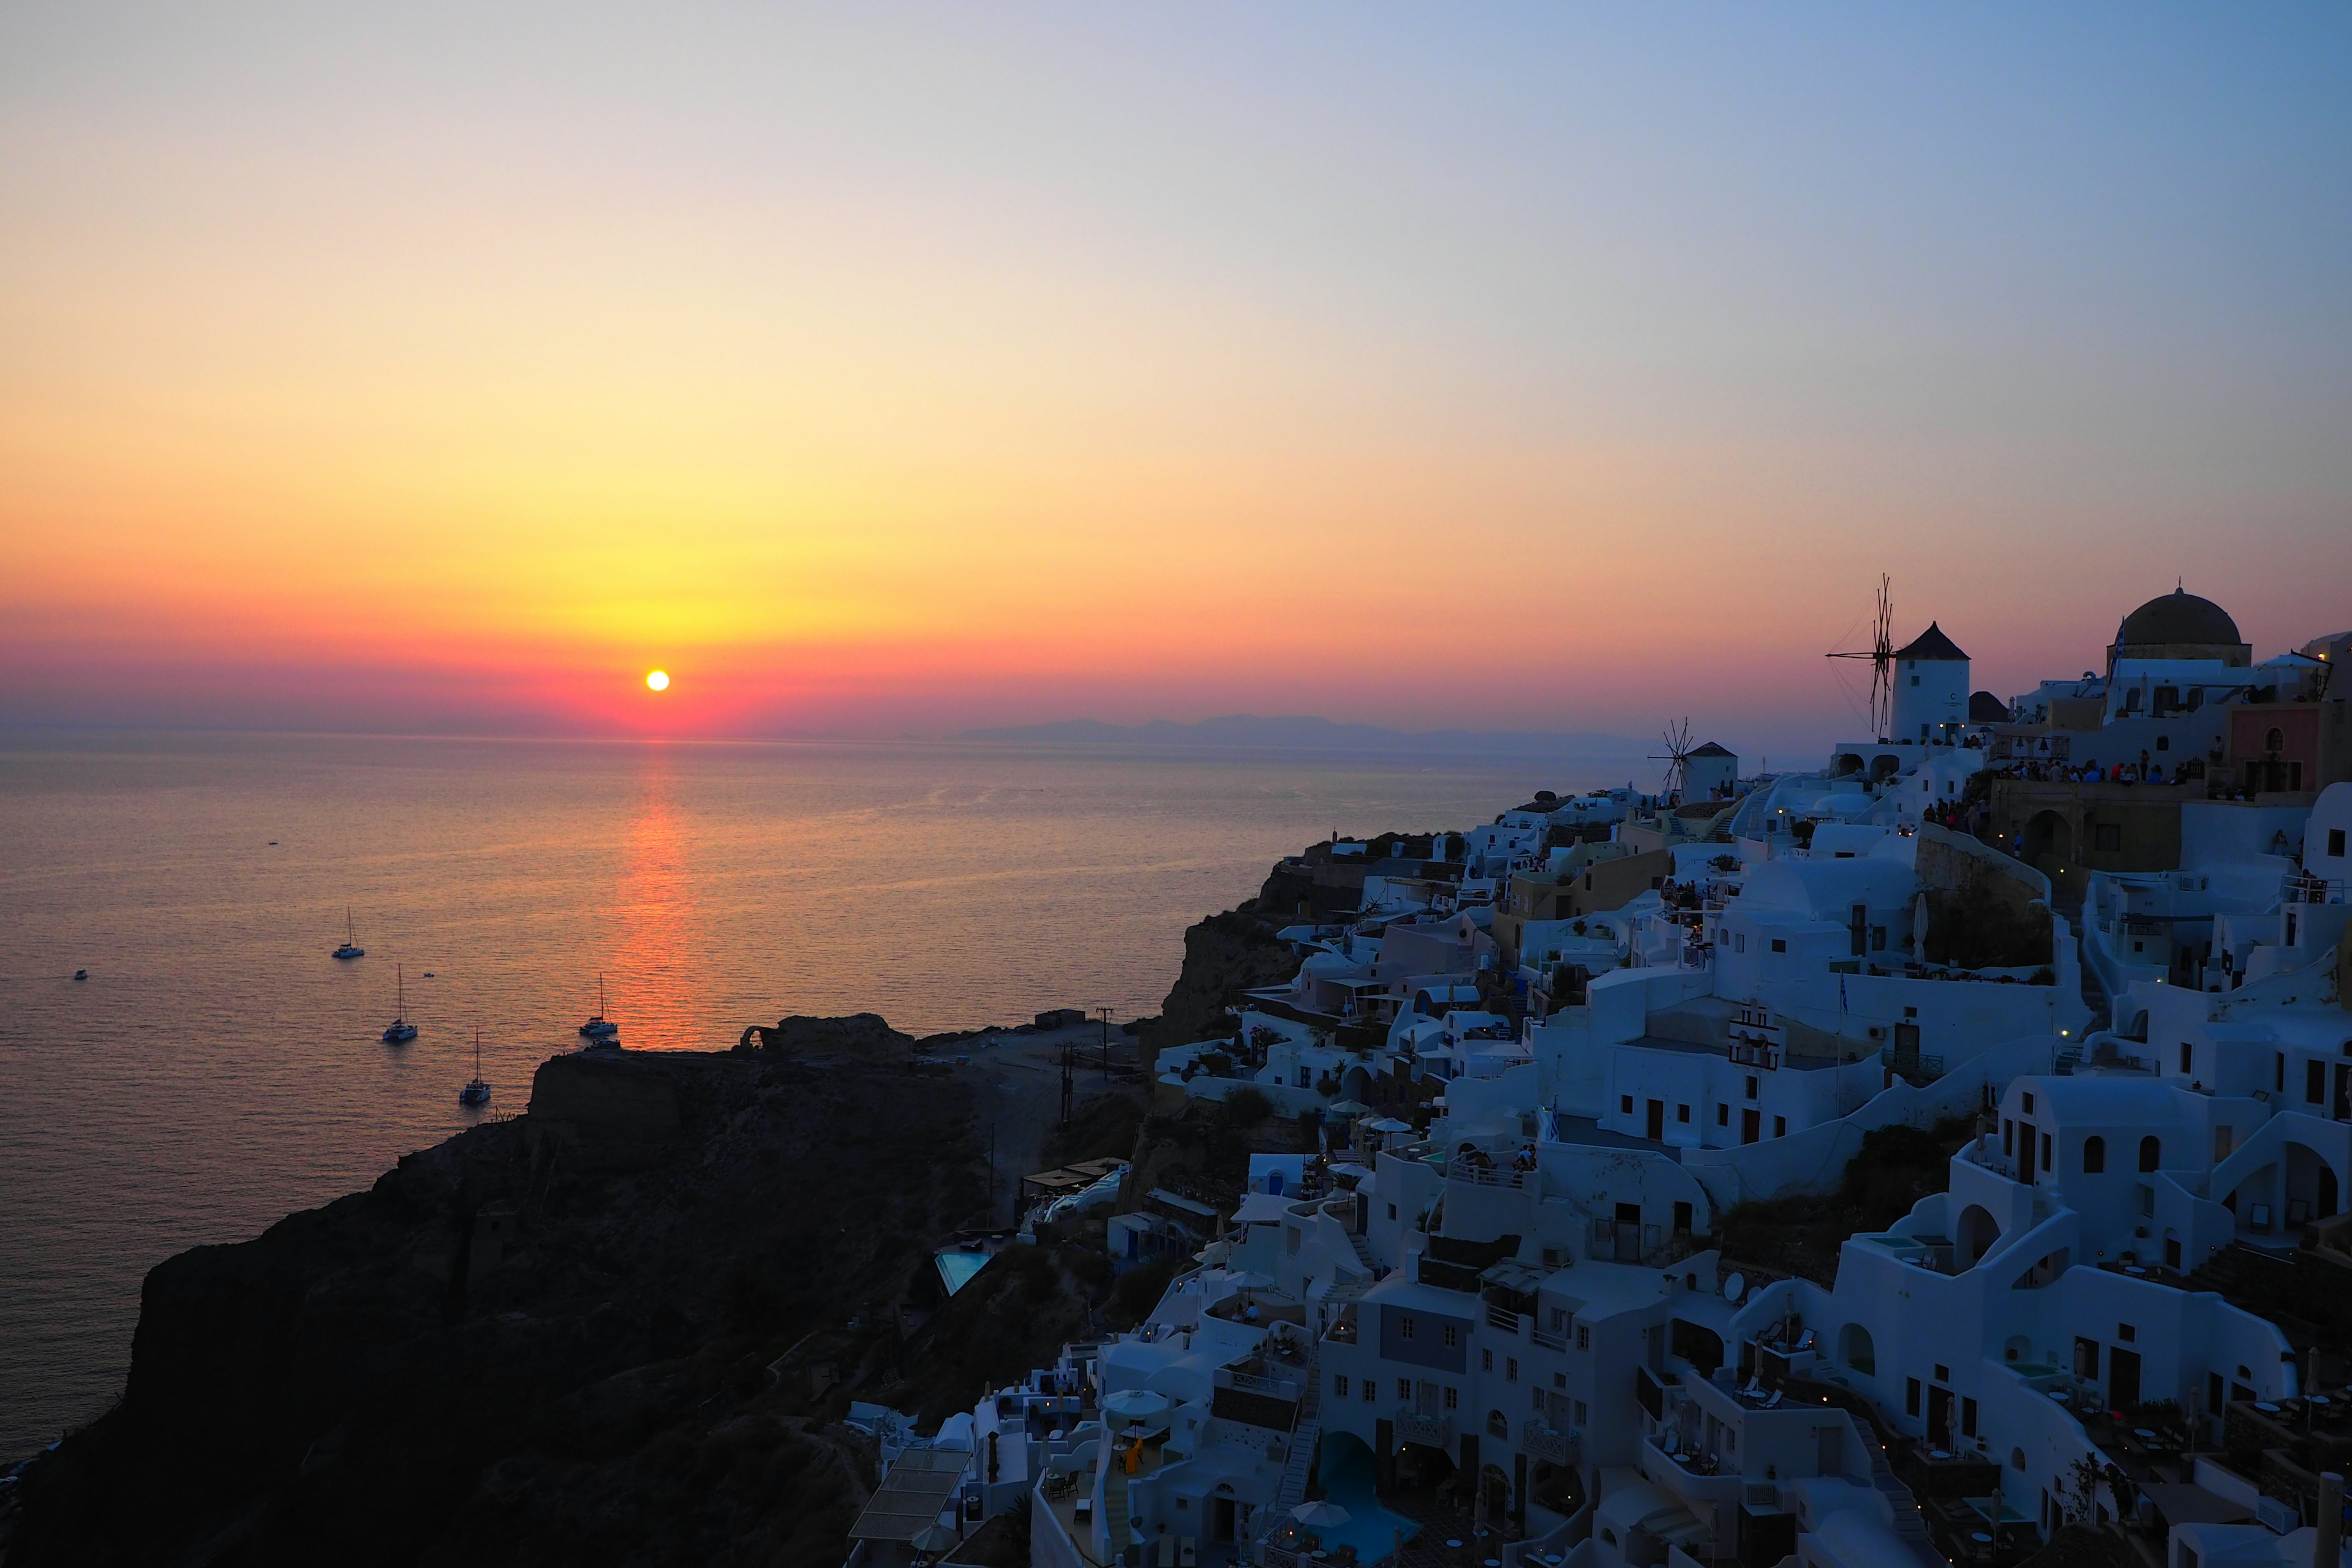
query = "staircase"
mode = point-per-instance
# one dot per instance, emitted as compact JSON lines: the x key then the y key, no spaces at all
{"x":1909,"y":1528}
{"x":2068,"y":902}
{"x":1364,"y":1254}
{"x":1303,"y":1438}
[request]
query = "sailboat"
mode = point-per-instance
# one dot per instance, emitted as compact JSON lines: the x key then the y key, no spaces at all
{"x":351,"y":948}
{"x":599,"y":1027}
{"x":477,"y":1092}
{"x":400,"y":1031}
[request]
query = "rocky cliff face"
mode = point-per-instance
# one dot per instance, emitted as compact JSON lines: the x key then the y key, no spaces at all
{"x":543,"y":1341}
{"x":1224,"y":956}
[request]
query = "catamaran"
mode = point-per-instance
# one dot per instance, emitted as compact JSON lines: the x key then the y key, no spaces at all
{"x":400,"y":1031}
{"x":599,"y":1027}
{"x":351,"y":948}
{"x":477,"y":1092}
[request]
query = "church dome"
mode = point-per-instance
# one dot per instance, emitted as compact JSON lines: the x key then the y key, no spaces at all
{"x":2176,"y":618}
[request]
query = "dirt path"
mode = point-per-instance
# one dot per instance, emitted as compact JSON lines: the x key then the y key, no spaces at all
{"x":1017,"y":1088}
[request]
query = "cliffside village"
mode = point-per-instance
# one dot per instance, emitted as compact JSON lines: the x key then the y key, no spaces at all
{"x":2092,"y":936}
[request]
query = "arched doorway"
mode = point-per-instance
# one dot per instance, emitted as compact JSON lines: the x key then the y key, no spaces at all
{"x":2049,"y":840}
{"x":1856,"y":1350}
{"x":2311,"y":1186}
{"x":1977,"y":1233}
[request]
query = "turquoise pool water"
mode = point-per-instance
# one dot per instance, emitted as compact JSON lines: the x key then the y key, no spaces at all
{"x":1346,"y":1472}
{"x":956,"y":1269}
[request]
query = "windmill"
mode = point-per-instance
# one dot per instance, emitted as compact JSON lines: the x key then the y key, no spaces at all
{"x":1676,"y":757}
{"x":1881,"y":654}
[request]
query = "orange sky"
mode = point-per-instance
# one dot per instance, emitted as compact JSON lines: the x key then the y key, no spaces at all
{"x":890,"y":378}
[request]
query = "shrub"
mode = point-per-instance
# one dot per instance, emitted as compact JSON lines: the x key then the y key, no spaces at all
{"x":1247,"y":1107}
{"x":1139,"y":1289}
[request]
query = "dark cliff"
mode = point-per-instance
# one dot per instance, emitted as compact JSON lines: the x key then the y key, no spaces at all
{"x":547,"y":1339}
{"x":1224,"y":955}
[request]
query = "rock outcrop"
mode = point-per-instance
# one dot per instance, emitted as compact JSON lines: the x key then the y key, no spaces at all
{"x":1224,"y":955}
{"x":543,"y":1341}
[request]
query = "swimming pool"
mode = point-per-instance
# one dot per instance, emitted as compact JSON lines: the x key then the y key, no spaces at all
{"x":1346,"y":1471}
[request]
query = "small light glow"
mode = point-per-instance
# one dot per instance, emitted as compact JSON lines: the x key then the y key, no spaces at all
{"x":658,"y":680}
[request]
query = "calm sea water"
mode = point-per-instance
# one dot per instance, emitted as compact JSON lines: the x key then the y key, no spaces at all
{"x":218,"y":1070}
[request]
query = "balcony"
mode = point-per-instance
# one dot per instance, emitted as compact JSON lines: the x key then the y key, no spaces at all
{"x":1487,"y":1175}
{"x":1544,"y":1441}
{"x":1430,"y":1431}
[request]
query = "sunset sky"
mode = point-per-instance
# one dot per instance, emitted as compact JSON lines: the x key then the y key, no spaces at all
{"x":892,"y":371}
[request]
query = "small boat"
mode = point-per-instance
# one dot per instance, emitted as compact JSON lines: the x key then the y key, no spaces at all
{"x":599,"y":1027}
{"x":400,"y":1031}
{"x":351,"y":948}
{"x":476,"y":1093}
{"x":81,"y":974}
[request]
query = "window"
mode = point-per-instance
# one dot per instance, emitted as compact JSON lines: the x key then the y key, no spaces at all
{"x":1486,"y":1361}
{"x":1370,"y":1384}
{"x":1739,"y":939}
{"x":2125,"y":1332}
{"x":2187,"y":1056}
{"x":1583,"y":1336}
{"x":1779,"y":944}
{"x":1510,"y":1369}
{"x":1878,"y":939}
{"x":2150,"y":1151}
{"x":2315,"y":1080}
{"x":2095,"y":1155}
{"x":1453,"y":1336}
{"x":1682,"y":1113}
{"x":1404,"y":1325}
{"x":2008,"y":1147}
{"x":2335,"y":844}
{"x":1910,"y":1397}
{"x":1536,"y":1399}
{"x":2274,"y":741}
{"x":1751,"y":1086}
{"x":2045,"y":1151}
{"x":1968,"y":1416}
{"x":1338,"y":1386}
{"x":1626,"y":1105}
{"x":1392,"y":1211}
{"x":2028,"y":1102}
{"x":1497,"y":1426}
{"x":1722,"y":1114}
{"x":1453,"y":1397}
{"x":1581,"y":1417}
{"x":1559,"y":1380}
{"x":1404,"y":1389}
{"x":1780,"y":1126}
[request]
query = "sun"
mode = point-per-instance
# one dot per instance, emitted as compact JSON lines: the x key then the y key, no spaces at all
{"x":658,"y":680}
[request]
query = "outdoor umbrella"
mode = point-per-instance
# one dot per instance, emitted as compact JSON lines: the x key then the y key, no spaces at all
{"x":1349,"y":1107}
{"x":934,"y":1538}
{"x":1319,"y":1513}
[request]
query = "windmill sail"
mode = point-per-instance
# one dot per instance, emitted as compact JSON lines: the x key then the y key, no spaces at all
{"x":1881,"y":654}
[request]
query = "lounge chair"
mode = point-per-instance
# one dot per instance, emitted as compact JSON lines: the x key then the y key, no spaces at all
{"x":1773,"y":1402}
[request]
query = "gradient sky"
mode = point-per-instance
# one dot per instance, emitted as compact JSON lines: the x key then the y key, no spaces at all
{"x":890,"y":371}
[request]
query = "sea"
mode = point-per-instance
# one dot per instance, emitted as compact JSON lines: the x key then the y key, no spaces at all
{"x":218,"y":1070}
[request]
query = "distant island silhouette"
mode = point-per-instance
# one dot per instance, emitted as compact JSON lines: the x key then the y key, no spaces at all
{"x":1309,"y":733}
